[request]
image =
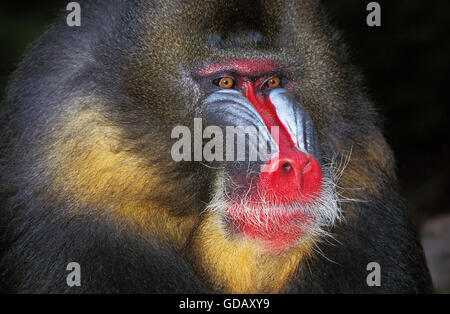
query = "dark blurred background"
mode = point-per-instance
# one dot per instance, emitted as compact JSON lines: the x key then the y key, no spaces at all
{"x":405,"y":62}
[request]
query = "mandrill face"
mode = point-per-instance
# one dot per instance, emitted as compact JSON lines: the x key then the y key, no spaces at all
{"x":272,"y":188}
{"x":287,"y":144}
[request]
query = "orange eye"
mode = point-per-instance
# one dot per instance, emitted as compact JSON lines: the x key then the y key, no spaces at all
{"x":274,"y":82}
{"x":226,"y":82}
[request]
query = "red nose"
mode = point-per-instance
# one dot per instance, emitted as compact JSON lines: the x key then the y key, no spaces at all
{"x":292,"y":176}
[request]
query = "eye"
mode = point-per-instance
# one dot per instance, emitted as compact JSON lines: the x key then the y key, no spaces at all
{"x":224,"y":82}
{"x":274,"y":82}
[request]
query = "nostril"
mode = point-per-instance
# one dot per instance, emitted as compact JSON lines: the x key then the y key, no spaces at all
{"x":287,"y":167}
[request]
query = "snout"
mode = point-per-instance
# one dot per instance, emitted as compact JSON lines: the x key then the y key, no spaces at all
{"x":276,"y":149}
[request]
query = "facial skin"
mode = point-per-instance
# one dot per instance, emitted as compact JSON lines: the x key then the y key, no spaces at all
{"x":275,"y":200}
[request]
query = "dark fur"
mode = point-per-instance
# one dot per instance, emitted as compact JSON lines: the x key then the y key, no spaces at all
{"x":117,"y":54}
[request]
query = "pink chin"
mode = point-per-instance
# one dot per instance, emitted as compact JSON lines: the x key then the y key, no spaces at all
{"x":277,"y":234}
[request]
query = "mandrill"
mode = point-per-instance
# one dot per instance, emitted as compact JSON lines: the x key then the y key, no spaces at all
{"x":198,"y":146}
